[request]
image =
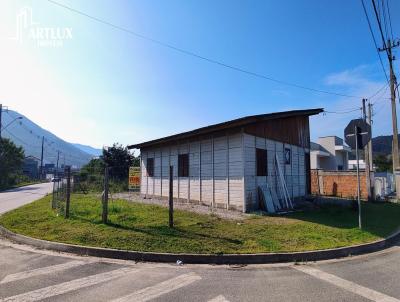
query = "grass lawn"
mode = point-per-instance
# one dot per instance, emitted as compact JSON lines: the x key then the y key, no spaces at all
{"x":141,"y":227}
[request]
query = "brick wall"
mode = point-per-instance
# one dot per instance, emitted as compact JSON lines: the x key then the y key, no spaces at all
{"x":338,"y":183}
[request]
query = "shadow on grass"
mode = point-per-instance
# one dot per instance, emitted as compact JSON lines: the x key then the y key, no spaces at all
{"x":161,"y":230}
{"x":379,"y":219}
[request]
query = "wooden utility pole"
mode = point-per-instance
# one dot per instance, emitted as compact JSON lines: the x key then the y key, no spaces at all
{"x":395,"y":146}
{"x":369,"y":146}
{"x":68,"y":199}
{"x":41,"y":161}
{"x":171,"y":197}
{"x":366,"y":155}
{"x":105,"y":197}
{"x":394,"y":114}
{"x":1,"y":111}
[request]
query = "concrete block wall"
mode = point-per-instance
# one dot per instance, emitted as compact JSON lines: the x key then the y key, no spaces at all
{"x":294,"y":173}
{"x":215,"y":171}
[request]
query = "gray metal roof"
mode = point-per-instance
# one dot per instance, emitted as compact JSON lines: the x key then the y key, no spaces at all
{"x":240,"y":122}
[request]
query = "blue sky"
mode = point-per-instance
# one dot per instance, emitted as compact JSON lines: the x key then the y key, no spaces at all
{"x":104,"y":85}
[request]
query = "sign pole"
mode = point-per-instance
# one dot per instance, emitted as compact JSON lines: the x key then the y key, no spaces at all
{"x":171,"y":197}
{"x":358,"y":178}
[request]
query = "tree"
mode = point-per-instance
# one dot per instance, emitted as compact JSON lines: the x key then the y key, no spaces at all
{"x":94,"y":167}
{"x":119,"y":159}
{"x":383,"y":163}
{"x":11,"y":161}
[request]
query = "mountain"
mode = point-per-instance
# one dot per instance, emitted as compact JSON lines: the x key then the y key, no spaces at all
{"x":88,"y":149}
{"x":382,"y":144}
{"x":24,"y":132}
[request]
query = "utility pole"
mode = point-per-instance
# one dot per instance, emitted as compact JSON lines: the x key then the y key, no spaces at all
{"x":1,"y":111}
{"x":395,"y":147}
{"x":369,"y":146}
{"x":58,"y":157}
{"x":366,"y":155}
{"x":41,"y":161}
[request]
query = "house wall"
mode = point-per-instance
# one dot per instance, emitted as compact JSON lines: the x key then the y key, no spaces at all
{"x":295,"y":172}
{"x":314,"y":160}
{"x":215,"y":171}
{"x":328,"y":163}
{"x":222,"y":167}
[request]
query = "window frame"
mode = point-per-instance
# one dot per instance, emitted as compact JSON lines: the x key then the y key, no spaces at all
{"x":150,"y":166}
{"x":261,"y":162}
{"x":183,"y":165}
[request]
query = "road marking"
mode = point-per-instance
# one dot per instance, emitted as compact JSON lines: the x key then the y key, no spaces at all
{"x":160,"y":289}
{"x":69,"y":286}
{"x":220,"y":298}
{"x":345,"y":284}
{"x":42,"y":271}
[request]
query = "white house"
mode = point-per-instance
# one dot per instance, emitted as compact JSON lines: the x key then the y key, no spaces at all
{"x":223,"y":165}
{"x":329,"y":153}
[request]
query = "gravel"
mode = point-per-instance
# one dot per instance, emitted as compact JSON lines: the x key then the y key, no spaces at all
{"x":200,"y":209}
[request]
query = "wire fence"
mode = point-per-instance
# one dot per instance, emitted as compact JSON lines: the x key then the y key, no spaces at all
{"x":103,"y":185}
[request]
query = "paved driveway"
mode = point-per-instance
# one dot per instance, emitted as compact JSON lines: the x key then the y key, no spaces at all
{"x":15,"y":198}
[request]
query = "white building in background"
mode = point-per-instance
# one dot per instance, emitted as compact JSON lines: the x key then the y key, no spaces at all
{"x":329,"y":153}
{"x":353,"y":164}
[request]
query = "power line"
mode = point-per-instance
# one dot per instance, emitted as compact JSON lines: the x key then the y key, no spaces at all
{"x":380,"y":27}
{"x":390,"y":19}
{"x":20,"y":140}
{"x":385,"y":19}
{"x":373,"y":38}
{"x":343,"y":112}
{"x":378,"y":91}
{"x":198,"y":56}
{"x":48,"y":142}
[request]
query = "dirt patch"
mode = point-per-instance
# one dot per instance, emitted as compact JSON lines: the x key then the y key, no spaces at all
{"x":200,"y":209}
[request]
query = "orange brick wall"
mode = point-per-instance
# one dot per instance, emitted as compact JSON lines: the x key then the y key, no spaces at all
{"x":338,"y":183}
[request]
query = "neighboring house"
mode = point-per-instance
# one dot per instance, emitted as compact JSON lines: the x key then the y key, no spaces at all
{"x":329,"y":153}
{"x":30,"y":167}
{"x":383,"y":184}
{"x":223,"y":165}
{"x":353,"y":164}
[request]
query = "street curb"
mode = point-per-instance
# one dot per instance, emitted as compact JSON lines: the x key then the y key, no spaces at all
{"x":204,"y":258}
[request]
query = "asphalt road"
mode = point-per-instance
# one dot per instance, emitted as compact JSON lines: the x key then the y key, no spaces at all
{"x":27,"y":274}
{"x":17,"y":197}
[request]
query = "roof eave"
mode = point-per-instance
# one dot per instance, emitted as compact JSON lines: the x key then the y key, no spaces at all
{"x":228,"y":125}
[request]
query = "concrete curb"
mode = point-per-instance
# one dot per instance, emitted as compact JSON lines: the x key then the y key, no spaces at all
{"x":204,"y":258}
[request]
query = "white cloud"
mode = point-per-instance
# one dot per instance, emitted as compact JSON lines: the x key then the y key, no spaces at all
{"x":358,"y":81}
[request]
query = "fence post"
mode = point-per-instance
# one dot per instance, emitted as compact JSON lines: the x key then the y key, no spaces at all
{"x":68,"y":199}
{"x":53,"y":201}
{"x":171,"y":197}
{"x":105,"y":196}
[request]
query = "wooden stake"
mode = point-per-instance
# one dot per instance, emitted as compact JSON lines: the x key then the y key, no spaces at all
{"x":67,"y":203}
{"x":105,"y":197}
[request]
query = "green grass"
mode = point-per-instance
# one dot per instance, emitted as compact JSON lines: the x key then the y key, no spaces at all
{"x":141,"y":227}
